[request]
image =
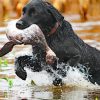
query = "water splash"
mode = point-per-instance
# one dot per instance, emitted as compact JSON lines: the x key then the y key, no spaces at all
{"x":76,"y":76}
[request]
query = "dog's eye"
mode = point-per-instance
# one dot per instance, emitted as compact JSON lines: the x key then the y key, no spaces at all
{"x":24,"y":10}
{"x":32,"y":11}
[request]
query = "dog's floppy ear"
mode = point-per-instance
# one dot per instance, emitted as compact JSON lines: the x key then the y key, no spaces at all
{"x":54,"y":12}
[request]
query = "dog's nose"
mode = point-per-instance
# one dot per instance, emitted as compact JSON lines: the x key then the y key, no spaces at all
{"x":20,"y":24}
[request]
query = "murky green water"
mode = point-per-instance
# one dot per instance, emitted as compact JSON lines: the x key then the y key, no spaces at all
{"x":24,"y":90}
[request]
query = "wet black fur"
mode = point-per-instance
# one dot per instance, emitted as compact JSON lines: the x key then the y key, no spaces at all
{"x":68,"y":47}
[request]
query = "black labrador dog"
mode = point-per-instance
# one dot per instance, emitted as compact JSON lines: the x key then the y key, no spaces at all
{"x":60,"y":37}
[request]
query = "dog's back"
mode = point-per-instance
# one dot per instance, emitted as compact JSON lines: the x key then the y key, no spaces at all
{"x":65,"y":43}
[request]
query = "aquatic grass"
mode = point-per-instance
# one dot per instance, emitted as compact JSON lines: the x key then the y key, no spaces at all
{"x":9,"y":81}
{"x":96,"y":98}
{"x":33,"y":83}
{"x":5,"y":94}
{"x":3,"y":62}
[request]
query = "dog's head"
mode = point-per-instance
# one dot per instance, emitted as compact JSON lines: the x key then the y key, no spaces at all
{"x":41,"y":13}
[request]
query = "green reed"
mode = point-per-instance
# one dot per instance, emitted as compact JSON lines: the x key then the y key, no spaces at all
{"x":4,"y":63}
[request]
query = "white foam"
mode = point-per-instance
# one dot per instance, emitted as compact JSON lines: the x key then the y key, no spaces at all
{"x":40,"y":78}
{"x":77,"y":78}
{"x":74,"y":78}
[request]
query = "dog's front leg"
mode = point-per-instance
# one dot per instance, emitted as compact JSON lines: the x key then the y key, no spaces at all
{"x":26,"y":61}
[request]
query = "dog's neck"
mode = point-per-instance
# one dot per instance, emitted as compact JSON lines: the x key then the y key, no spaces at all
{"x":49,"y":30}
{"x":54,"y":29}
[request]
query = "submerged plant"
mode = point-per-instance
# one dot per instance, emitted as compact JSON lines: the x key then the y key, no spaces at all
{"x":10,"y":82}
{"x":96,"y":98}
{"x":32,"y":83}
{"x":3,"y":62}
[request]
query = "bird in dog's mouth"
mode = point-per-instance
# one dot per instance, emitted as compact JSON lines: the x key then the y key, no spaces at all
{"x":29,"y":36}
